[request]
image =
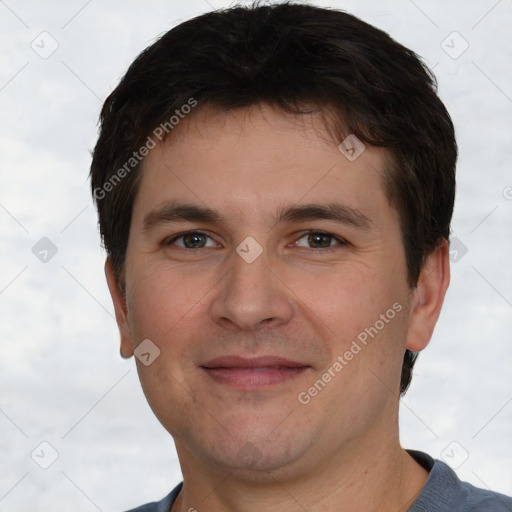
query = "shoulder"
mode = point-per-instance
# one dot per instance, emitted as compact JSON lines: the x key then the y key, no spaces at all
{"x":163,"y":505}
{"x":483,"y":500}
{"x":444,"y":492}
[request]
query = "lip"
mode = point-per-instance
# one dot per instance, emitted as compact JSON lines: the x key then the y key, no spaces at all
{"x":254,"y":362}
{"x":252,"y":373}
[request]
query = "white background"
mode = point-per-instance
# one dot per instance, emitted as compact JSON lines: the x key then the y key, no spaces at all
{"x":61,"y":378}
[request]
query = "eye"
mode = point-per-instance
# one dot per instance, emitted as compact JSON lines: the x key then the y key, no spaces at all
{"x":319,"y":240}
{"x":192,"y":240}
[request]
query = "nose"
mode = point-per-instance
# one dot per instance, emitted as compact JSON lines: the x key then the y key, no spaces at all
{"x":252,"y":297}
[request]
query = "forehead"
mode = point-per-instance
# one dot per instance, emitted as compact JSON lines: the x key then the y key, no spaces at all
{"x":257,"y":159}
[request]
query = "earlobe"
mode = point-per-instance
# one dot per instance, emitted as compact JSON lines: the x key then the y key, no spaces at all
{"x":120,"y":308}
{"x":428,"y":297}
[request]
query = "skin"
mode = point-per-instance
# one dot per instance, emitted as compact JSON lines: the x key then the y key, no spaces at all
{"x":258,"y":450}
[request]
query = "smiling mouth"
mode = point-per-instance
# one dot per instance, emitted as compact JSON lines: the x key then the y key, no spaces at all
{"x":251,"y":374}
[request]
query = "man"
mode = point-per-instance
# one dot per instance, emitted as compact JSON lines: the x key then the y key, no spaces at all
{"x":275,"y":186}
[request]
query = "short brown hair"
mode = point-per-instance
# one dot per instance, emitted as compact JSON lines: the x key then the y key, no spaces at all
{"x":289,"y":56}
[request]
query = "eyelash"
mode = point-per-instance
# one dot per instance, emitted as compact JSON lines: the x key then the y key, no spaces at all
{"x":340,"y":241}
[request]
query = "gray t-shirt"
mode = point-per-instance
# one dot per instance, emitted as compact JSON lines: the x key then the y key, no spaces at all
{"x":443,"y":492}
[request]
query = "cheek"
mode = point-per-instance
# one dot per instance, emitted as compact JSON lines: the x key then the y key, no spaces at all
{"x":366,"y":317}
{"x":161,"y":299}
{"x":165,"y":307}
{"x":346,"y":299}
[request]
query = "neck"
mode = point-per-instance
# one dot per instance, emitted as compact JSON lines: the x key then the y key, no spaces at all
{"x":382,"y":477}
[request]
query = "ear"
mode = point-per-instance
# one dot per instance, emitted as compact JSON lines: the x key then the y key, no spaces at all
{"x":428,"y":297}
{"x":119,"y":301}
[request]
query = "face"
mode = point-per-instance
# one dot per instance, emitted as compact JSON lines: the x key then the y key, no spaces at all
{"x":268,"y":270}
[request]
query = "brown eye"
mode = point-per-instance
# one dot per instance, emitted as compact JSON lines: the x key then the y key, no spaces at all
{"x":319,"y":240}
{"x":192,"y":240}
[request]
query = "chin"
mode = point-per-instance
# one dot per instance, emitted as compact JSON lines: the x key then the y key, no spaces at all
{"x":253,"y":454}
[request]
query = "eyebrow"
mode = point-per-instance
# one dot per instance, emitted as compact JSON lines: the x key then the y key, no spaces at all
{"x":180,"y":212}
{"x":331,"y":211}
{"x":176,"y":212}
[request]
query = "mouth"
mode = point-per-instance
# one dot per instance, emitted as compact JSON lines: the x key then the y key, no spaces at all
{"x":251,"y":374}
